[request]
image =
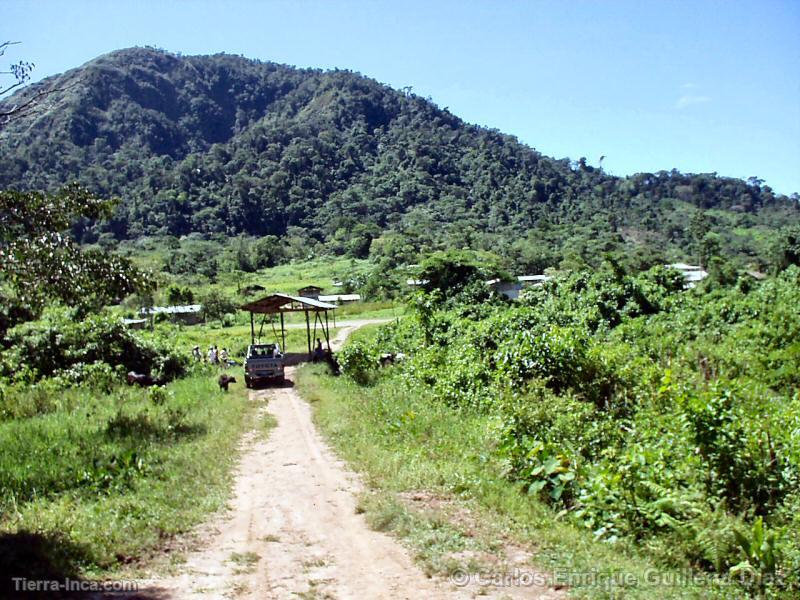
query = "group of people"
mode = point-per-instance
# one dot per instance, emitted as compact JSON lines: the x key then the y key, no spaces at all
{"x":213,"y":356}
{"x":216,"y":357}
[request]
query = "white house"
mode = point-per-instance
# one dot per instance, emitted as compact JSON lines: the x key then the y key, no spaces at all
{"x":189,"y":314}
{"x":511,"y":289}
{"x":340,"y":298}
{"x":692,"y":274}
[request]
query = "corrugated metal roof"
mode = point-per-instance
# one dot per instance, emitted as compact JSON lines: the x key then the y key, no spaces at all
{"x":695,"y":275}
{"x":684,"y":267}
{"x":340,"y":298}
{"x":172,"y":310}
{"x":275,"y":303}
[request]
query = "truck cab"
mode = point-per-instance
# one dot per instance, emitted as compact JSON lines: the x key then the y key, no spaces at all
{"x":263,"y":364}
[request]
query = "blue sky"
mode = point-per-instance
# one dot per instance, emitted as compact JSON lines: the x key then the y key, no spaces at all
{"x":700,"y":86}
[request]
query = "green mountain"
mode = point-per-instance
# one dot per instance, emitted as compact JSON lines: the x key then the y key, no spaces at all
{"x":225,"y":145}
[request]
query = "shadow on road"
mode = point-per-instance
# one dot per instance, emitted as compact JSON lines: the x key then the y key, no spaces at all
{"x":291,"y":359}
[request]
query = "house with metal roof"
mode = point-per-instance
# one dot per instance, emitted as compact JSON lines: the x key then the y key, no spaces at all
{"x":692,"y":274}
{"x":189,"y":314}
{"x":340,"y":298}
{"x":511,"y":289}
{"x":310,"y":291}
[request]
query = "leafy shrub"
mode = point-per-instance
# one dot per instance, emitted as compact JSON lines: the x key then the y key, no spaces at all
{"x":96,"y":349}
{"x":545,"y":439}
{"x":116,"y":473}
{"x":216,"y":305}
{"x":465,"y":383}
{"x":638,"y":490}
{"x":646,"y":412}
{"x":157,"y":394}
{"x":451,"y":271}
{"x":557,"y":355}
{"x":761,"y":555}
{"x":358,"y":362}
{"x":745,"y":465}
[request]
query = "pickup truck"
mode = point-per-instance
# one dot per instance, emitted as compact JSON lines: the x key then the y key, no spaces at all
{"x":264,"y":363}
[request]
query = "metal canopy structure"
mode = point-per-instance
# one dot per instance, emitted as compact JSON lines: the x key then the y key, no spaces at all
{"x":284,"y":303}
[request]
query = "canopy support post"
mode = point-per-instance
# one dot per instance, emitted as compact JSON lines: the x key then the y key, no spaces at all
{"x":283,"y":335}
{"x":328,"y":331}
{"x":261,"y":328}
{"x":252,"y":329}
{"x":308,"y":334}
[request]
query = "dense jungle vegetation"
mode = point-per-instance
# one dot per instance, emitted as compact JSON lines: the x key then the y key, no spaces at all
{"x":642,"y":412}
{"x":215,"y":146}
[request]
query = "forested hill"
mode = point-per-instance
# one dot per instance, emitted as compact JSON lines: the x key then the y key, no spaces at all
{"x":223,"y":144}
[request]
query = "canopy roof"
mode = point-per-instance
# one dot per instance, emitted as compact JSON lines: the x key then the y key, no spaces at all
{"x":279,"y":303}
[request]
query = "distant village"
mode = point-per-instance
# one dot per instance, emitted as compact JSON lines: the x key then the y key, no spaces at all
{"x":192,"y":314}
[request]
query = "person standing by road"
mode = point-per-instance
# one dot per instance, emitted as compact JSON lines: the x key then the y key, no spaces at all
{"x":319,"y":353}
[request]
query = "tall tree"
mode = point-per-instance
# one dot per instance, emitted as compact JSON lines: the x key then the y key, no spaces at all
{"x":40,"y":260}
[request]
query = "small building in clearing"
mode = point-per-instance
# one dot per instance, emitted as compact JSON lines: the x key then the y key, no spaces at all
{"x":692,"y":274}
{"x":252,"y":289}
{"x":310,"y":291}
{"x":135,"y":323}
{"x":511,"y":289}
{"x":340,"y":298}
{"x":527,"y":280}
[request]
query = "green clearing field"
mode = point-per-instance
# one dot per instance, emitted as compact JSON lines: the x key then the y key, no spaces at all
{"x":101,"y":482}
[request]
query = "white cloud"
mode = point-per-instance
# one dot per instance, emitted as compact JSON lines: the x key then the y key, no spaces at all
{"x":689,"y":99}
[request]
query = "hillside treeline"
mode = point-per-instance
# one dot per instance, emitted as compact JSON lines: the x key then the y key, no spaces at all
{"x":221,"y":145}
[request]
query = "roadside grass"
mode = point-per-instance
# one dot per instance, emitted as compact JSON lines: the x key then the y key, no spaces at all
{"x":104,"y":481}
{"x":408,"y":447}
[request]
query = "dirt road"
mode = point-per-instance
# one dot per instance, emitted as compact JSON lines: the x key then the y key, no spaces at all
{"x":293,"y":530}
